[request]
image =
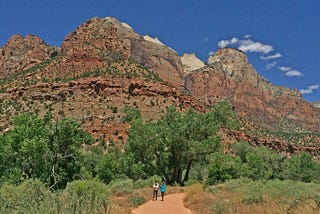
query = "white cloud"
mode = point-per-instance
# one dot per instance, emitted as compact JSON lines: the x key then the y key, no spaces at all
{"x":205,"y":40}
{"x":223,"y":43}
{"x":234,"y":40}
{"x":270,"y":65}
{"x":246,"y":45}
{"x":309,"y":89}
{"x":290,"y":72}
{"x":284,"y":68}
{"x":275,"y":56}
{"x":294,"y":73}
{"x":211,"y":52}
{"x":252,"y":46}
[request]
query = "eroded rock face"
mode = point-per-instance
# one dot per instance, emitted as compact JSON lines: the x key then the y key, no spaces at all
{"x":285,"y":148}
{"x":21,"y":53}
{"x":98,"y":38}
{"x":229,"y":76}
{"x":316,"y":104}
{"x":190,"y":62}
{"x":98,"y":43}
{"x":93,"y":101}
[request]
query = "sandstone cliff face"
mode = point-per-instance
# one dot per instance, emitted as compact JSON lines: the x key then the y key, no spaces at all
{"x":21,"y":53}
{"x":97,"y":102}
{"x":97,"y":39}
{"x":108,"y":48}
{"x":229,"y":137}
{"x":316,"y":104}
{"x":190,"y":62}
{"x":229,"y":76}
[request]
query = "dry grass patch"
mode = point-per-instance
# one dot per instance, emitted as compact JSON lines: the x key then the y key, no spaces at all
{"x":197,"y":200}
{"x":245,"y":196}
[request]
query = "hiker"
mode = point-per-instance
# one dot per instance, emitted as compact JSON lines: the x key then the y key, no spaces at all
{"x":163,"y":189}
{"x":155,"y":190}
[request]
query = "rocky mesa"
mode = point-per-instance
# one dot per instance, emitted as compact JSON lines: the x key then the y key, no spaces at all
{"x":20,"y":53}
{"x":229,"y":76}
{"x":104,"y":65}
{"x":97,"y":38}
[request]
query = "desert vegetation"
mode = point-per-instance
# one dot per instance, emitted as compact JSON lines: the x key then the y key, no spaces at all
{"x":50,"y":165}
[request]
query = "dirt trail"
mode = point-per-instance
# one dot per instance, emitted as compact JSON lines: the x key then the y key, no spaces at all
{"x":172,"y":204}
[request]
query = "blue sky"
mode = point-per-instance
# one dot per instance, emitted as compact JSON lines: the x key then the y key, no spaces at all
{"x":280,"y":37}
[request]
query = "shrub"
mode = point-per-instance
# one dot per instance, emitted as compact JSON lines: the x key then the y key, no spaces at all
{"x":137,"y":200}
{"x":31,"y":196}
{"x":119,"y":187}
{"x":85,"y":197}
{"x":141,"y":183}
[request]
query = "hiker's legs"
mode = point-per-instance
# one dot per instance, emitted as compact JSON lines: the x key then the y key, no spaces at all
{"x":162,"y":195}
{"x":155,"y":194}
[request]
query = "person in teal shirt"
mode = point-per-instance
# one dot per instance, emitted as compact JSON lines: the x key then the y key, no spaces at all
{"x":163,"y":188}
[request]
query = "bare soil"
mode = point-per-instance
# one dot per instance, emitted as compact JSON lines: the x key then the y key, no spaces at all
{"x":172,"y":204}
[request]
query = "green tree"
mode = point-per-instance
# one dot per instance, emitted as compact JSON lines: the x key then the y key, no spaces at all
{"x":300,"y":167}
{"x":223,"y":167}
{"x":258,"y":163}
{"x":42,"y":148}
{"x":171,"y":145}
{"x":224,"y":116}
{"x":106,"y":169}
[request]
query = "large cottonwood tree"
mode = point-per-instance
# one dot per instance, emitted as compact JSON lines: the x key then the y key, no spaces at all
{"x":171,"y":145}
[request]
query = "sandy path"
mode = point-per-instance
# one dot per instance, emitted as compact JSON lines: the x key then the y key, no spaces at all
{"x":172,"y":204}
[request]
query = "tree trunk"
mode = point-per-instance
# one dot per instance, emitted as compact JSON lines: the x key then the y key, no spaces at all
{"x":186,"y":176}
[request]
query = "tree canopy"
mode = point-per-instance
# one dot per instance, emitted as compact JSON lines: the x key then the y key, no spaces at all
{"x":171,"y":145}
{"x":42,"y":148}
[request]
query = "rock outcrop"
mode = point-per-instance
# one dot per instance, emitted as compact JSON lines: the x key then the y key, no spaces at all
{"x":97,"y":39}
{"x":229,"y":76}
{"x":190,"y":62}
{"x":20,"y":53}
{"x":98,"y":102}
{"x":151,"y":39}
{"x":286,"y":149}
{"x":316,"y":104}
{"x":105,"y":65}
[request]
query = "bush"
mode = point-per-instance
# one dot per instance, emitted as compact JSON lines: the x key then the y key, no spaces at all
{"x":286,"y":192}
{"x":119,"y":187}
{"x":137,"y":200}
{"x":141,"y":183}
{"x":31,"y":196}
{"x":85,"y":197}
{"x":301,"y":167}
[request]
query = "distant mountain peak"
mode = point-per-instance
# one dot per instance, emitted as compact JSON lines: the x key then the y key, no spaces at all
{"x":154,"y":40}
{"x":316,"y":104}
{"x":228,"y":75}
{"x":191,"y":62}
{"x":20,"y":53}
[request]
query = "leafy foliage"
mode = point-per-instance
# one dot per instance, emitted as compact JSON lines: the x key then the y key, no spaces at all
{"x":86,"y":197}
{"x":42,"y":148}
{"x":31,"y":196}
{"x":261,"y":164}
{"x":171,"y":145}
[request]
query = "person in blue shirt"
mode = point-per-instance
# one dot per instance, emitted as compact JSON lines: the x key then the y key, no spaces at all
{"x":163,"y":188}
